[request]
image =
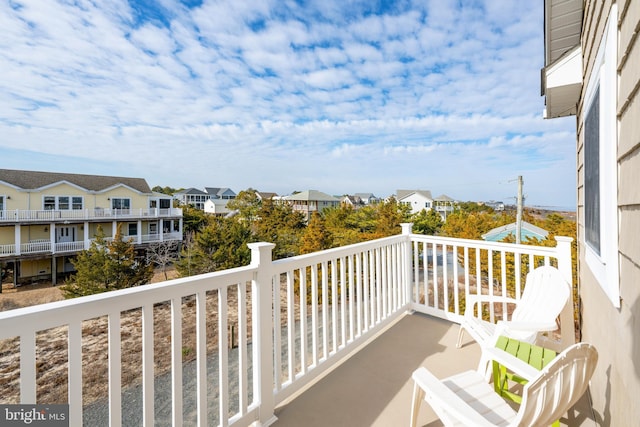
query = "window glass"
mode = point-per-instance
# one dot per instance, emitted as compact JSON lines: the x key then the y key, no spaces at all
{"x":133,"y":229}
{"x":165,"y":203}
{"x":592,"y":174}
{"x":119,"y":203}
{"x":63,"y":203}
{"x":49,"y":203}
{"x":76,"y":203}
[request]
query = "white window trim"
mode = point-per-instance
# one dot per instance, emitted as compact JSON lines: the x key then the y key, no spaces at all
{"x":605,"y":266}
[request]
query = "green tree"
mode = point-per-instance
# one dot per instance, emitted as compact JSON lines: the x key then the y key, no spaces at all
{"x":280,"y":224}
{"x":107,"y":266}
{"x":316,"y":237}
{"x":246,"y":203}
{"x":222,"y":244}
{"x":390,"y":215}
{"x":193,"y":219}
{"x":427,"y":222}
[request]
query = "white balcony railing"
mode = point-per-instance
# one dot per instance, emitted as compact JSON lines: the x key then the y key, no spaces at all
{"x":291,"y":320}
{"x":45,"y":245}
{"x":21,"y":216}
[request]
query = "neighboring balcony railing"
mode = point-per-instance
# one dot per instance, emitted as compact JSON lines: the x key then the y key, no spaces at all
{"x":20,"y":216}
{"x":259,"y":333}
{"x":45,"y":246}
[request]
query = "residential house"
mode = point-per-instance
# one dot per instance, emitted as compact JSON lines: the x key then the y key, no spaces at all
{"x":444,"y":205}
{"x":262,"y":195}
{"x":220,"y":193}
{"x":495,"y":205}
{"x":590,"y":72}
{"x":354,"y":201}
{"x":46,"y":218}
{"x":416,"y":199}
{"x":367,"y":198}
{"x":527,"y":231}
{"x":192,"y":196}
{"x":199,"y":198}
{"x":310,"y":201}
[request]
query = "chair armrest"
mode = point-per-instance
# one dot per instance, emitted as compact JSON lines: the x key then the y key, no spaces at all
{"x":526,"y":326}
{"x":511,"y":362}
{"x":473,"y":300}
{"x":446,"y":399}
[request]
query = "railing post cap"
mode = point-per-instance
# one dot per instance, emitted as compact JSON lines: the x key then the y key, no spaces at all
{"x":258,"y":245}
{"x":406,"y":227}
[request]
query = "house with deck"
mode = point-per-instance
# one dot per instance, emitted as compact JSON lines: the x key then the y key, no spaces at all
{"x":417,"y":200}
{"x":310,"y":201}
{"x":46,"y":218}
{"x":592,"y":72}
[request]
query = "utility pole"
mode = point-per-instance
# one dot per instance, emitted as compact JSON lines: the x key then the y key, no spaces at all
{"x":519,"y":210}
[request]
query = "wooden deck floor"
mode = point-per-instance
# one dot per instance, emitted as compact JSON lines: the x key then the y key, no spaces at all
{"x":374,"y":388}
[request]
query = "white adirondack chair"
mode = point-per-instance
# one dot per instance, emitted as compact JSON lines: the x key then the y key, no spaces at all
{"x":466,"y":399}
{"x":545,"y":294}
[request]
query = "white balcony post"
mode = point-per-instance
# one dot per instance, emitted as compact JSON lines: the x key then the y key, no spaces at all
{"x":52,"y":237}
{"x":406,"y":232}
{"x":87,"y":243}
{"x":567,"y":332}
{"x":17,"y":239}
{"x":262,"y":290}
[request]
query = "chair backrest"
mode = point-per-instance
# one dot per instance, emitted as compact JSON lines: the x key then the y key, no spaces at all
{"x":558,"y":386}
{"x":545,"y":294}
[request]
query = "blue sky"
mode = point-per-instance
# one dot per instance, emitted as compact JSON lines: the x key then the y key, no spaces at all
{"x":284,"y":95}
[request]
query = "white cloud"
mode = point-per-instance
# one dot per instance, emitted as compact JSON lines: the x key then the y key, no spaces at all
{"x":278,"y":96}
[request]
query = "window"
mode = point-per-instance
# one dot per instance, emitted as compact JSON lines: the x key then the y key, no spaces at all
{"x":120,"y":203}
{"x":601,"y":165}
{"x":133,"y":229}
{"x":165,"y":203}
{"x":592,"y":174}
{"x":62,"y":203}
{"x":49,"y":203}
{"x":76,"y":203}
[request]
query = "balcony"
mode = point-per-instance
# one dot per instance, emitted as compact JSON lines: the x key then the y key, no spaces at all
{"x":328,"y":338}
{"x":46,"y":247}
{"x":19,"y":216}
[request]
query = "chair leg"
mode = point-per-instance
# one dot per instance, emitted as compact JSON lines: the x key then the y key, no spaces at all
{"x":418,"y":396}
{"x":460,"y":336}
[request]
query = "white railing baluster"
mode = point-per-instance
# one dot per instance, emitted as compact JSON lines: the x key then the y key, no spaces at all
{"x":358,"y":295}
{"x":148,"y":392}
{"x":277,"y":330}
{"x":303,"y":321}
{"x":351,"y":301}
{"x":28,"y":368}
{"x":343,"y":301}
{"x":456,"y":279}
{"x":243,"y":365}
{"x":291,"y":330}
{"x":223,"y":356}
{"x":334,"y":304}
{"x":325,"y":310}
{"x":176,"y":362}
{"x":445,"y":279}
{"x":201,"y":359}
{"x":74,"y":343}
{"x":115,"y":385}
{"x":365,"y":290}
{"x":314,"y":314}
